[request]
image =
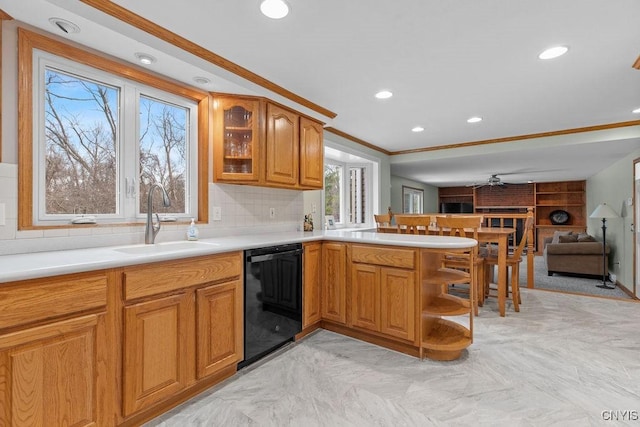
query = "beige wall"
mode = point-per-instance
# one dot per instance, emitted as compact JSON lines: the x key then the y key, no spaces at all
{"x":614,"y":186}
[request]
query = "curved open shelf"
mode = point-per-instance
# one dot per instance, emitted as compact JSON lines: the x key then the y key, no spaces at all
{"x":448,"y":276}
{"x":444,"y":339}
{"x":446,"y":305}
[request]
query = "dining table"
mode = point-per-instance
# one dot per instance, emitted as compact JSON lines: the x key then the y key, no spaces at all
{"x":497,"y":235}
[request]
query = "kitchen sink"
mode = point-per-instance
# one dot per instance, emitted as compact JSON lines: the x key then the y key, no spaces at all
{"x":165,"y":247}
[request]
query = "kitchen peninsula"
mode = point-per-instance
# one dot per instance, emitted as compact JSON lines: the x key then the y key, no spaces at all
{"x":128,"y":332}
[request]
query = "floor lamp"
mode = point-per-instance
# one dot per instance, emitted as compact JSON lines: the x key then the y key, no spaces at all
{"x":603,"y":211}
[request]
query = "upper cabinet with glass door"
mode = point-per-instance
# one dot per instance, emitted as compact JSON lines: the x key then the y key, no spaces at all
{"x":237,"y":127}
{"x":259,"y":142}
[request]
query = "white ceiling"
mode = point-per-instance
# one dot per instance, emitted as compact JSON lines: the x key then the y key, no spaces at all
{"x":445,"y":61}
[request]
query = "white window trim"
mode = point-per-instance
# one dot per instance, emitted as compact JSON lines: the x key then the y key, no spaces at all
{"x":127,"y":201}
{"x":412,"y":191}
{"x":345,"y":215}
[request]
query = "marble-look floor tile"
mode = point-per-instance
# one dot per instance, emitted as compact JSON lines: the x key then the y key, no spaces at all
{"x":561,"y":361}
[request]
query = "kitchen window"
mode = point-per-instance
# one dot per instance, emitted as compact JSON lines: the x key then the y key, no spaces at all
{"x":347,"y":192}
{"x":412,"y":200}
{"x":100,"y":139}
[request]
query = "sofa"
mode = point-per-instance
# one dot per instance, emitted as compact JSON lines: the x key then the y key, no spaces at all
{"x":578,"y":254}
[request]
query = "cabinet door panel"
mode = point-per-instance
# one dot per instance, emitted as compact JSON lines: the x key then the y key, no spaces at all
{"x":311,"y":154}
{"x":311,"y":285}
{"x":398,"y":303}
{"x":365,"y":297}
{"x":334,"y":260}
{"x":282,"y":146}
{"x":219,"y":327}
{"x":48,"y":374}
{"x":236,"y":139}
{"x":155,"y":351}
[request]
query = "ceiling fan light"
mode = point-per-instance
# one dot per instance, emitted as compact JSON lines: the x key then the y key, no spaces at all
{"x":417,"y":129}
{"x":474,"y":119}
{"x":553,"y":52}
{"x":274,"y":9}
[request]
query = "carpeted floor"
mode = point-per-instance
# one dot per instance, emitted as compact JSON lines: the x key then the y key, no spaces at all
{"x":560,"y":282}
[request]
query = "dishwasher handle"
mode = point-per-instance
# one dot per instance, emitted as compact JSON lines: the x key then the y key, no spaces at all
{"x":268,"y":257}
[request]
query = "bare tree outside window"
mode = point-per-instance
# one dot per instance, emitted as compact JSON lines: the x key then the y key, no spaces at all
{"x":82,"y":145}
{"x":81,"y":128}
{"x":163,"y":152}
{"x":332,"y":190}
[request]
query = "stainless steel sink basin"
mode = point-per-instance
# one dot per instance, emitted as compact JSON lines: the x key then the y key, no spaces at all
{"x":165,"y":247}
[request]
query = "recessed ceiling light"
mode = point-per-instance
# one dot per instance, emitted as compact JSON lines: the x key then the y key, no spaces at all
{"x":274,"y":9}
{"x":417,"y":129}
{"x":636,"y":111}
{"x":384,"y":94}
{"x":145,"y":58}
{"x":201,"y":80}
{"x":475,"y":119}
{"x":553,"y":52}
{"x":65,"y":26}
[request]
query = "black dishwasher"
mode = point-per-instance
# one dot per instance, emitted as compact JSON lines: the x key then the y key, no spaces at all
{"x":272,"y":299}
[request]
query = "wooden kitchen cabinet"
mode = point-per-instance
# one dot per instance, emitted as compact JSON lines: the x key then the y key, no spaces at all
{"x":219,"y":327}
{"x":282,"y":146}
{"x":48,"y":374}
{"x":334,"y":282}
{"x":237,"y":138}
{"x":156,"y":351}
{"x":311,"y":154}
{"x":259,"y":142}
{"x":383,"y":290}
{"x":312,"y":279}
{"x":183,"y":323}
{"x":398,"y":303}
{"x":365,"y":297}
{"x":53,"y":356}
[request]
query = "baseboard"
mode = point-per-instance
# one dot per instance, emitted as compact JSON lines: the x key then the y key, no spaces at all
{"x":624,"y":289}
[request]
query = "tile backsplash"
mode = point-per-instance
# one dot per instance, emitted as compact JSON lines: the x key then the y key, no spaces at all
{"x":244,"y":210}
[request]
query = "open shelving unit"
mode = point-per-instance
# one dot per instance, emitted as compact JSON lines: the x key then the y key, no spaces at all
{"x":442,"y":336}
{"x":568,"y":196}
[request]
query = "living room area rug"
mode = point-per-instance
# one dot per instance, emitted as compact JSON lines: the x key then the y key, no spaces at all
{"x":566,"y":283}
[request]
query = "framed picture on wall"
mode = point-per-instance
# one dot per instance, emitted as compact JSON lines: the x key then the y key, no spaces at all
{"x":330,"y":222}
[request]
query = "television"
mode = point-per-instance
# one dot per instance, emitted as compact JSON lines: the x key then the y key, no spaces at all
{"x":456,"y":207}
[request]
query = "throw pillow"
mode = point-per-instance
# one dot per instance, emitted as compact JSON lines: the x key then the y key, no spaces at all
{"x":569,"y":238}
{"x":584,"y":237}
{"x":557,"y":234}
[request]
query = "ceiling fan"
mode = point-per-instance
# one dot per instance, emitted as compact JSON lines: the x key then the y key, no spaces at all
{"x":493,"y":181}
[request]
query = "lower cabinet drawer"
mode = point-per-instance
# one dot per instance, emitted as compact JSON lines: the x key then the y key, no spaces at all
{"x":387,"y":256}
{"x":30,"y":301}
{"x":151,"y":279}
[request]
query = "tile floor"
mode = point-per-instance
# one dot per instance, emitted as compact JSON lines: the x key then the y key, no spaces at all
{"x":564,"y":360}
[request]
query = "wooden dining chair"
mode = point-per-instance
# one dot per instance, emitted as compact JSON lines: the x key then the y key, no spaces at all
{"x":513,"y":264}
{"x":465,"y":226}
{"x":413,"y":224}
{"x":383,"y":223}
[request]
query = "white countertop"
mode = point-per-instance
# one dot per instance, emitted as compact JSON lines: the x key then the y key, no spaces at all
{"x":53,"y":263}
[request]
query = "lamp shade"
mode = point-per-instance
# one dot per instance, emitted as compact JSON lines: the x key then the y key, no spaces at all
{"x":603,"y":211}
